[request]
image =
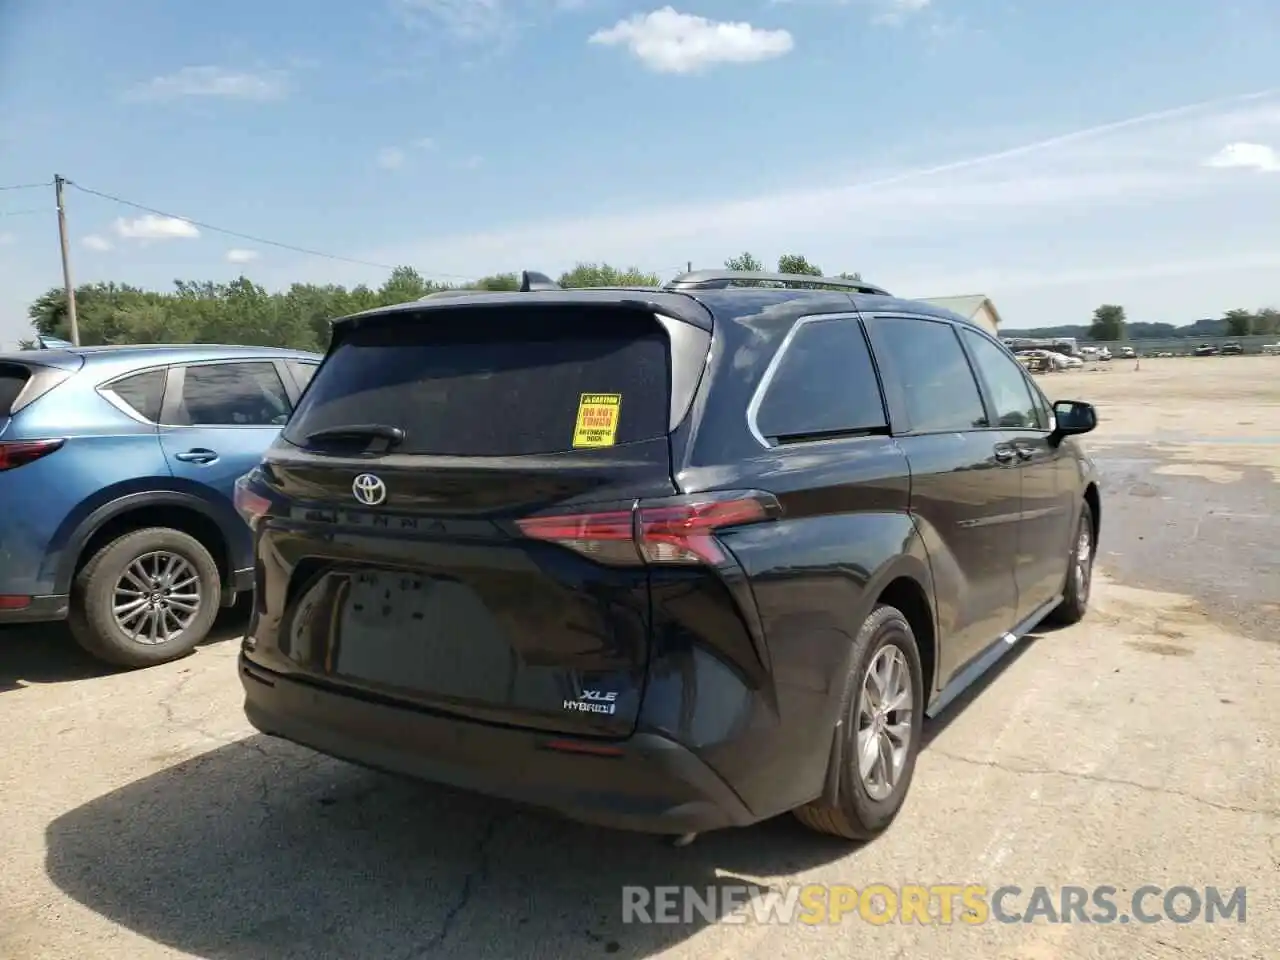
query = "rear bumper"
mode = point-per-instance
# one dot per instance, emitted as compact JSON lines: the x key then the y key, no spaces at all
{"x":39,"y":610}
{"x":655,"y":786}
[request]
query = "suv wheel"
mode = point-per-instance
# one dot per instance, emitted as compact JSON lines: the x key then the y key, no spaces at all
{"x":146,"y":597}
{"x":1075,"y":594}
{"x":882,"y":714}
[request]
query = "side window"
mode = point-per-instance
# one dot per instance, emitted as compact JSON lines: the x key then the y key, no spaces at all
{"x":1005,"y":381}
{"x":302,"y":372}
{"x":233,"y":394}
{"x":144,"y":392}
{"x":931,"y":373}
{"x":1044,"y":413}
{"x":825,"y":384}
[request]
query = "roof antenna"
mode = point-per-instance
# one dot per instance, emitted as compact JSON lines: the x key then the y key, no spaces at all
{"x":531,"y":280}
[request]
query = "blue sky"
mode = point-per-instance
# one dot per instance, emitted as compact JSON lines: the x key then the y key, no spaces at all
{"x":1055,"y":155}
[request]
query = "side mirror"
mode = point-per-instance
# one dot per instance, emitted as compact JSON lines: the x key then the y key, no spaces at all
{"x":1073,"y":417}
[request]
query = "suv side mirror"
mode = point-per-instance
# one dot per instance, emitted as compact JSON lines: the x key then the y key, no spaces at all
{"x":1073,"y":417}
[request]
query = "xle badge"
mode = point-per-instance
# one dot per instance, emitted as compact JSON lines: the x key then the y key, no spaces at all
{"x":593,"y":701}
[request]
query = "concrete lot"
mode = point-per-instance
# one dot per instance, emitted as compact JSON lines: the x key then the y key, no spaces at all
{"x":140,"y":818}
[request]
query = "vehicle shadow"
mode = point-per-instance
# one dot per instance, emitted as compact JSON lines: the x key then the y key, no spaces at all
{"x":261,"y":849}
{"x":40,"y":653}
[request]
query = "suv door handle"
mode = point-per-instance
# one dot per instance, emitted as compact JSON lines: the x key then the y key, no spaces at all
{"x":198,"y":455}
{"x":1024,"y":452}
{"x":1004,"y":453}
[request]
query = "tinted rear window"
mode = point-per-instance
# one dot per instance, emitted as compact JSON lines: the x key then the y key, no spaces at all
{"x":12,"y":380}
{"x":495,"y":382}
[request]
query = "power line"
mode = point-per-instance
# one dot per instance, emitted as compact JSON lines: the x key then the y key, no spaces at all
{"x":246,"y":236}
{"x":27,"y":186}
{"x":22,"y":213}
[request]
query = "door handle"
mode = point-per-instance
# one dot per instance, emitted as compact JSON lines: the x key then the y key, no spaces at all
{"x":1004,"y":453}
{"x":198,"y":455}
{"x":1024,"y":452}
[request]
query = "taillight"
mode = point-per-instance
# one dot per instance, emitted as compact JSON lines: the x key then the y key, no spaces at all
{"x":682,"y":530}
{"x":16,"y":453}
{"x":251,"y":506}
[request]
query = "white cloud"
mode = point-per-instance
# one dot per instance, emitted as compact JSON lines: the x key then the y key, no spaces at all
{"x":425,"y":143}
{"x":97,"y":242}
{"x":6,"y":239}
{"x":211,"y":81}
{"x":1091,"y":210}
{"x":667,"y":41}
{"x":465,"y":19}
{"x":152,"y":227}
{"x":896,"y":12}
{"x":391,"y":158}
{"x":1245,"y":156}
{"x":241,"y":256}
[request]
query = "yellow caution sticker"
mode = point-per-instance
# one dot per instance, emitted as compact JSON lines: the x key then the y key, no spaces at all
{"x":597,"y":420}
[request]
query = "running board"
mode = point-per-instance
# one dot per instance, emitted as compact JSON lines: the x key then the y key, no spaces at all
{"x":987,"y":659}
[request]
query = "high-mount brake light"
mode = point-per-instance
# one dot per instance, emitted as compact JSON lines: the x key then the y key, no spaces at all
{"x":653,"y":533}
{"x":17,"y":453}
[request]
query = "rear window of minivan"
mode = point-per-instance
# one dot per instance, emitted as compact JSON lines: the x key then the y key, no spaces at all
{"x":493,"y":382}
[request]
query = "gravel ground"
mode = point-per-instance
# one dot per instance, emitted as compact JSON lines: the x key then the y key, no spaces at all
{"x":141,"y":817}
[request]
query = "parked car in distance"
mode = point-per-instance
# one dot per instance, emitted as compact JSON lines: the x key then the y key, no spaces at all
{"x":117,"y":470}
{"x":1205,"y":350}
{"x":1127,"y":353}
{"x":1232,"y":349}
{"x":663,"y":559}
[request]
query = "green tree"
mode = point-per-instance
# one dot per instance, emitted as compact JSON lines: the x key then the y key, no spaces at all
{"x":1240,"y":323}
{"x":1267,"y":321}
{"x":744,"y":262}
{"x":796,"y":263}
{"x":603,"y":275}
{"x":1108,"y":323}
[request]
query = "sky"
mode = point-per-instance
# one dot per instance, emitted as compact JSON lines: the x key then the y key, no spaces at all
{"x":1053,"y":155}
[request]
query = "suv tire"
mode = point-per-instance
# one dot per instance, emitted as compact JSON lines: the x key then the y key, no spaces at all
{"x":1075,"y":593}
{"x":113,"y":578}
{"x":885,"y":640}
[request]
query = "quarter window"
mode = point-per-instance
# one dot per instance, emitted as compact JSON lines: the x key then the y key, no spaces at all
{"x":143,"y":392}
{"x":824,"y":385}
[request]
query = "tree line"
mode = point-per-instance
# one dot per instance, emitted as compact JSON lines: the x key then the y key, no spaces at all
{"x":1109,"y":323}
{"x":244,"y":312}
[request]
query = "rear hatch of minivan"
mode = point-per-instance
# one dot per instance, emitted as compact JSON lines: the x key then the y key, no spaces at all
{"x":452,"y":510}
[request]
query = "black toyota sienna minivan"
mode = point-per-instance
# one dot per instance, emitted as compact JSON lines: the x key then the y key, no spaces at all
{"x":661,"y":559}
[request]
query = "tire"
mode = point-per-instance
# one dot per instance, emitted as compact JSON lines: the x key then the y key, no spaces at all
{"x":861,"y":813}
{"x":1075,"y":593}
{"x":92,"y":617}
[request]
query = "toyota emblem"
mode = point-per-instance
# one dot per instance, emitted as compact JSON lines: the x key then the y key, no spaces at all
{"x":368,"y":489}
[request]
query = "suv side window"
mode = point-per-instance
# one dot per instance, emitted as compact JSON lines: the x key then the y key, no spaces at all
{"x":1005,"y":382}
{"x":233,"y":394}
{"x":931,"y":374}
{"x":143,"y":392}
{"x":825,"y":384}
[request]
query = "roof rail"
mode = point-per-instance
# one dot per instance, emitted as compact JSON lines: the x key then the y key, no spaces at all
{"x":722,"y":279}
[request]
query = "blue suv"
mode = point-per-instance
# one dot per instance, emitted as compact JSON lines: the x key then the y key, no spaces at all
{"x":117,"y":471}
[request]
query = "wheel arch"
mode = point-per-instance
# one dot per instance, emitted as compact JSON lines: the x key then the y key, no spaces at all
{"x":161,"y":508}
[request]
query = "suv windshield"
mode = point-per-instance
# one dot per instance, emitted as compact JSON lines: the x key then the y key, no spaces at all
{"x":485,"y":382}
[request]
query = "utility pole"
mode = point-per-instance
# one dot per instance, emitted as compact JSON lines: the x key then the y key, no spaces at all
{"x":66,"y":261}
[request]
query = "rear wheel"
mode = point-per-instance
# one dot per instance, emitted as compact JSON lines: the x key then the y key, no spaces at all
{"x":147,"y":597}
{"x":882,"y":714}
{"x":1075,"y":593}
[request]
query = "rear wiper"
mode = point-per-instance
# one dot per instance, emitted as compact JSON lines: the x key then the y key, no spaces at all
{"x":369,"y":432}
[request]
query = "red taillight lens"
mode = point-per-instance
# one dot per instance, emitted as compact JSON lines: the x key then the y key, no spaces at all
{"x":11,"y":602}
{"x":16,"y":453}
{"x":654,"y":533}
{"x":251,"y":506}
